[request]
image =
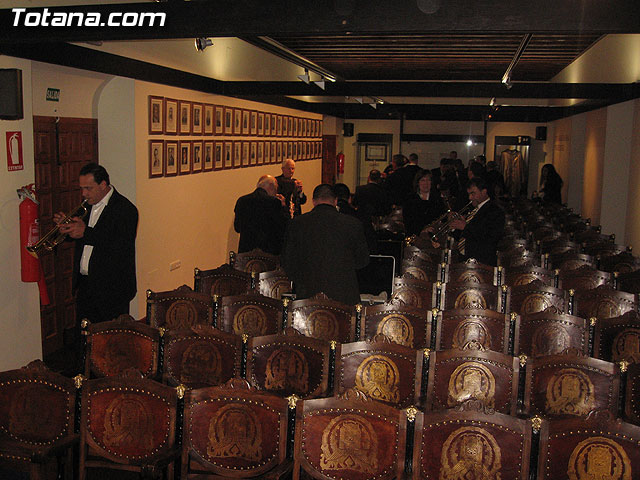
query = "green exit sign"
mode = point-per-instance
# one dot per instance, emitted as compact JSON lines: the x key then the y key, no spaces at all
{"x":53,"y":94}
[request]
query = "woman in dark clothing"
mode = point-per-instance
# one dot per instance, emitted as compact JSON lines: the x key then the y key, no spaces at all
{"x":550,"y":184}
{"x":423,"y":206}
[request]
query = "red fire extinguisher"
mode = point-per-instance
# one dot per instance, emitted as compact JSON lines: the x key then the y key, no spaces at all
{"x":340,"y":163}
{"x":30,"y":266}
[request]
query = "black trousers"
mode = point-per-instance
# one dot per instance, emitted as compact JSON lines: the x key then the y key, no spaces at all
{"x":97,"y":306}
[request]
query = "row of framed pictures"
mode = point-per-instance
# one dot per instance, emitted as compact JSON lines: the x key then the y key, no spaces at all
{"x":168,"y":116}
{"x":181,"y":157}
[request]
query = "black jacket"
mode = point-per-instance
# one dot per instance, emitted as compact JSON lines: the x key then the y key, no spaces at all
{"x":418,"y":213}
{"x":483,"y":233}
{"x":372,"y":200}
{"x":261,"y":221}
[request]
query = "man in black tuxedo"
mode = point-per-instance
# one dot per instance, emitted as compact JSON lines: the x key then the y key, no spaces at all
{"x":261,"y":218}
{"x":371,"y":199}
{"x":104,"y":273}
{"x":323,"y":249}
{"x":484,"y":230}
{"x":291,"y":188}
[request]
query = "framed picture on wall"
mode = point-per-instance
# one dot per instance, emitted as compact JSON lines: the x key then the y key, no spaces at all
{"x":156,"y":161}
{"x":207,"y":166}
{"x":217,"y":150}
{"x":267,"y":124}
{"x":185,"y":157}
{"x":208,"y":119}
{"x":260,"y":124}
{"x":196,"y":164}
{"x":290,"y":126}
{"x":273,"y":153}
{"x":170,"y":156}
{"x":278,"y":152}
{"x":228,"y":121}
{"x":263,"y":152}
{"x":253,"y":122}
{"x":196,"y":111}
{"x":253,"y":153}
{"x":245,"y":122}
{"x":294,"y":151}
{"x":279,"y":125}
{"x":227,"y":159}
{"x":170,"y":116}
{"x":245,"y":154}
{"x":273,"y":124}
{"x":237,"y":154}
{"x":237,"y":121}
{"x":185,"y":117}
{"x":375,"y":153}
{"x":219,"y":120}
{"x":285,"y":126}
{"x":156,"y":115}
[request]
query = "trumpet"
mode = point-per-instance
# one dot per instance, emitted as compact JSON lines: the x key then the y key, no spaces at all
{"x":466,"y":212}
{"x":55,"y":236}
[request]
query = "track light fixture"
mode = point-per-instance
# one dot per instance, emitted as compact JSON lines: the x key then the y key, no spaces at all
{"x":506,"y":80}
{"x":202,"y":43}
{"x":321,"y":82}
{"x":359,"y":99}
{"x":305,"y":78}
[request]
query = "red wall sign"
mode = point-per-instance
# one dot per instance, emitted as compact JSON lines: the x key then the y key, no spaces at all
{"x":14,"y":151}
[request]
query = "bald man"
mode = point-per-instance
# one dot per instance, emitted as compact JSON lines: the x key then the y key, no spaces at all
{"x":291,"y":188}
{"x":261,"y":218}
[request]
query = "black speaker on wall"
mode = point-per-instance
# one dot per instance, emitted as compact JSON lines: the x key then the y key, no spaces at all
{"x":541,"y":133}
{"x":347,"y":130}
{"x":11,"y":94}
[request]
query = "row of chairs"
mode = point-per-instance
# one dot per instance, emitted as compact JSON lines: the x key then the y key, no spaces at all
{"x":132,"y":423}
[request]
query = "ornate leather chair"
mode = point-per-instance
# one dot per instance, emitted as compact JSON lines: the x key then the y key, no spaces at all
{"x":420,"y":268}
{"x":536,"y":297}
{"x":413,"y":292}
{"x":255,"y":261}
{"x":129,"y":424}
{"x":456,"y":376}
{"x":551,"y":332}
{"x":618,"y":338}
{"x":595,"y":447}
{"x":571,"y":385}
{"x":632,"y":394}
{"x":518,"y":257}
{"x":474,"y":296}
{"x":470,"y":329}
{"x":222,"y":281}
{"x":250,"y":314}
{"x":583,"y":278}
{"x":469,"y":443}
{"x":274,"y":283}
{"x":624,"y":262}
{"x":323,"y":318}
{"x":525,"y":274}
{"x":404,"y":325}
{"x":201,"y":356}
{"x":290,"y":363}
{"x":385,"y":371}
{"x":234,"y":431}
{"x":629,"y":282}
{"x":426,"y":253}
{"x":37,"y":419}
{"x":349,"y":436}
{"x":572,"y":260}
{"x":472,"y":271}
{"x":114,"y":346}
{"x":604,"y":302}
{"x":179,"y":309}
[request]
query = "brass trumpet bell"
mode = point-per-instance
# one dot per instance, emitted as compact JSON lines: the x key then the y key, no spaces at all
{"x":55,"y":236}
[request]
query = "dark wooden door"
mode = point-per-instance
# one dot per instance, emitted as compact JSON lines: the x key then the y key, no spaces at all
{"x":61,"y":146}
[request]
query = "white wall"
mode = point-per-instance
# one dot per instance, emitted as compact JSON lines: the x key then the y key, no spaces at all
{"x":19,"y":302}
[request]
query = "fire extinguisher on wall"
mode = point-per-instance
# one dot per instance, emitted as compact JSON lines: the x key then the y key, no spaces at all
{"x":30,"y":266}
{"x":340,"y":163}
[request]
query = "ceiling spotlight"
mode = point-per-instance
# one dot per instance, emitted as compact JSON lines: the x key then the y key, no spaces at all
{"x":469,"y":142}
{"x":506,"y":80}
{"x":305,"y":78}
{"x":373,"y":105}
{"x":359,"y":99}
{"x":321,"y":82}
{"x":202,"y":43}
{"x":492,"y":102}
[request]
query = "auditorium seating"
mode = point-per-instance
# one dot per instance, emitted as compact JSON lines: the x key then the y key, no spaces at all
{"x":536,"y":297}
{"x":274,"y":283}
{"x":180,"y":308}
{"x":323,"y":318}
{"x":250,"y":314}
{"x":222,"y":281}
{"x":604,"y":302}
{"x":551,"y":332}
{"x":413,"y":292}
{"x":471,"y":271}
{"x":403,"y":324}
{"x":525,"y":274}
{"x":254,"y":261}
{"x":474,"y":296}
{"x":583,"y":278}
{"x":617,"y":338}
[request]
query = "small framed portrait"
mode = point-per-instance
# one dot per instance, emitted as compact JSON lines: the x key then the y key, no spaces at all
{"x":217,"y":155}
{"x":196,"y":114}
{"x":208,"y":119}
{"x":207,"y":166}
{"x":253,"y":153}
{"x":245,"y":122}
{"x":219,"y":120}
{"x":289,"y":149}
{"x":228,"y":121}
{"x":185,"y":117}
{"x":237,"y":154}
{"x":237,"y":121}
{"x":260,"y":124}
{"x":245,"y":154}
{"x":285,"y":126}
{"x":294,"y":151}
{"x":375,"y":152}
{"x":253,"y":122}
{"x":267,"y":124}
{"x":290,"y":126}
{"x":196,"y":164}
{"x":185,"y":157}
{"x":279,"y":125}
{"x":156,"y":161}
{"x":273,"y":153}
{"x":170,"y":116}
{"x":294,"y":127}
{"x":300,"y":127}
{"x":170,"y":155}
{"x":279,"y":152}
{"x":156,"y":115}
{"x":263,"y":152}
{"x":273,"y":124}
{"x":227,"y":151}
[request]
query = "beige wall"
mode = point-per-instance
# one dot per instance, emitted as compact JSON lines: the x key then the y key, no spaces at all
{"x":561,"y":151}
{"x":632,"y":235}
{"x":594,"y":165}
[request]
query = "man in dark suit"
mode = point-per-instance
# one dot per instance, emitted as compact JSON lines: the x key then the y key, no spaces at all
{"x":291,"y":188}
{"x":400,"y":182}
{"x":261,"y":218}
{"x":371,"y":199}
{"x":323,"y":249}
{"x":104,"y":273}
{"x":484,"y":230}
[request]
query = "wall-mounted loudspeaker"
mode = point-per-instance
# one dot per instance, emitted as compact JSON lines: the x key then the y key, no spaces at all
{"x":541,"y":133}
{"x":347,"y":130}
{"x":11,"y":94}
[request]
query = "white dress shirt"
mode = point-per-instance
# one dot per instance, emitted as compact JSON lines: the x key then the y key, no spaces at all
{"x":96,"y":211}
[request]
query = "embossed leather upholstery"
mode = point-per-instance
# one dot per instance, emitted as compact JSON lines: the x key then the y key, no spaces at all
{"x":179,"y":309}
